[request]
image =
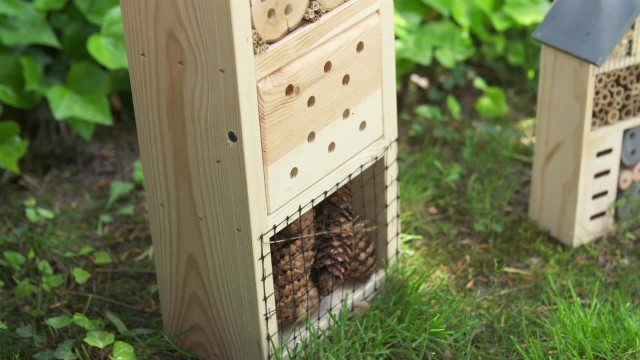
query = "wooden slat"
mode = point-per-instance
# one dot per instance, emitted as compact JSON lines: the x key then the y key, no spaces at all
{"x":564,"y":119}
{"x":191,"y":71}
{"x":310,"y":36}
{"x":390,"y":116}
{"x":319,"y":97}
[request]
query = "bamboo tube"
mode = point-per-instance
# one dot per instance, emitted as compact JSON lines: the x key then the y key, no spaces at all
{"x":618,"y":93}
{"x":632,"y":81}
{"x":635,"y":89}
{"x":617,"y":104}
{"x":625,"y":179}
{"x":613,"y":116}
{"x":606,"y":97}
{"x":314,"y":5}
{"x":600,"y":81}
{"x":627,"y":113}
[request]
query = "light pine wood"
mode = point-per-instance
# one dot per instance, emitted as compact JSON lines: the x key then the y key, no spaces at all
{"x":191,"y":71}
{"x":329,"y":4}
{"x":273,"y":19}
{"x":327,"y":183}
{"x":315,"y":90}
{"x":390,"y":114}
{"x":563,"y":121}
{"x":332,"y":146}
{"x":310,"y":36}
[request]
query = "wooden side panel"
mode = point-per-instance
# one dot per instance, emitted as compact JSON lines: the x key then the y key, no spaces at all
{"x":197,"y":116}
{"x":390,"y":116}
{"x":600,"y":177}
{"x":564,"y":108}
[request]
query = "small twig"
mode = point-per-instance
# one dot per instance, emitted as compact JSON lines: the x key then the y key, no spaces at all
{"x":103,"y":298}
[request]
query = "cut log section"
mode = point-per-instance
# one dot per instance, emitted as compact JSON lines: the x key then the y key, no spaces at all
{"x":273,"y":19}
{"x":328,"y":5}
{"x":625,"y":180}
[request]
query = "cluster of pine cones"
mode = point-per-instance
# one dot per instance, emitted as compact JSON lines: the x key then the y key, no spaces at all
{"x":317,"y":253}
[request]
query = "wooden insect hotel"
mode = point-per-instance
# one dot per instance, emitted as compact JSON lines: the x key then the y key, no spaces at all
{"x":268,"y":134}
{"x":586,"y":171}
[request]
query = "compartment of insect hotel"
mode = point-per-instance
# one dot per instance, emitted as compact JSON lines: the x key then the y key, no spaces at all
{"x":587,"y":156}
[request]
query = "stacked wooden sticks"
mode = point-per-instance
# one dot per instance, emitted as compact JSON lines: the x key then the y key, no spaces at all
{"x":628,"y":176}
{"x":617,"y":96}
{"x":273,"y":19}
{"x":625,"y":46}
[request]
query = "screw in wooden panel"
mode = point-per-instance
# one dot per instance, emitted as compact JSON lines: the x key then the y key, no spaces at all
{"x":312,"y":137}
{"x":332,"y":147}
{"x":311,"y":101}
{"x":363,"y":125}
{"x":232,"y":137}
{"x":346,"y":79}
{"x":294,"y":173}
{"x":360,"y":47}
{"x":346,"y":113}
{"x":327,"y":66}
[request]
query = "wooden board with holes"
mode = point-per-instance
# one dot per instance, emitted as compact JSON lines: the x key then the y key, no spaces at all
{"x":321,"y":110}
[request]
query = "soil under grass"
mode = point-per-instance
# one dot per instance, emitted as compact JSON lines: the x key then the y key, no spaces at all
{"x":477,"y":279}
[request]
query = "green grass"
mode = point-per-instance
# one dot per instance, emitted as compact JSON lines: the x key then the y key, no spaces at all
{"x":477,"y":279}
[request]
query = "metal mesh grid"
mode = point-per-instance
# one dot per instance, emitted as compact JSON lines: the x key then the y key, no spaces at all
{"x":295,"y":248}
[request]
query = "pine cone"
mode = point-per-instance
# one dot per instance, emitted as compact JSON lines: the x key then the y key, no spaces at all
{"x":335,"y":240}
{"x":363,"y":260}
{"x":292,"y":255}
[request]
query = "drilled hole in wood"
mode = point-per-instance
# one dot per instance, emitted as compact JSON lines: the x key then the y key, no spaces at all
{"x":271,"y":14}
{"x":600,"y":195}
{"x":288,"y":10}
{"x":311,"y":101}
{"x":294,"y":173}
{"x":601,"y":174}
{"x":363,"y":125}
{"x":312,"y":137}
{"x":346,"y":113}
{"x":346,"y":79}
{"x":604,"y":152}
{"x":232,"y":137}
{"x":599,"y":215}
{"x":327,"y":66}
{"x":290,"y":90}
{"x":332,"y":147}
{"x":360,"y":47}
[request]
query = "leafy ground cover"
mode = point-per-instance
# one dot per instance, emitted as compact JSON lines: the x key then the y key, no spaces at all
{"x":477,"y":279}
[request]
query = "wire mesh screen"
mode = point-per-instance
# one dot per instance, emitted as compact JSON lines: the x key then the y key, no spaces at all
{"x":331,"y":251}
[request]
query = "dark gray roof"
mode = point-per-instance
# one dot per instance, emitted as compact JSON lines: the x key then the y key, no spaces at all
{"x":588,"y":29}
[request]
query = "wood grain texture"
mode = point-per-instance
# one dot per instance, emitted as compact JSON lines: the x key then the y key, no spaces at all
{"x":390,"y":116}
{"x":332,"y":146}
{"x":312,"y":92}
{"x":310,"y":36}
{"x":563,"y":121}
{"x":191,"y":71}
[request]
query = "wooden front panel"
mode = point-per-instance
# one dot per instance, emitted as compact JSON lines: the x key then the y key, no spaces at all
{"x":321,"y":110}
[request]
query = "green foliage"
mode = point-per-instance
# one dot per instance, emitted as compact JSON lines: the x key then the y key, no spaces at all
{"x":442,"y":37}
{"x":56,"y":52}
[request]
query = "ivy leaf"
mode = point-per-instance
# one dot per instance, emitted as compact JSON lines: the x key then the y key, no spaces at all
{"x":118,"y":190}
{"x":80,"y":275}
{"x":492,"y":103}
{"x":24,"y":332}
{"x":85,"y":251}
{"x":95,"y":10}
{"x":23,"y":290}
{"x":99,"y":339}
{"x":44,"y":355}
{"x":108,"y":46}
{"x":64,"y":351}
{"x":102,"y":258}
{"x":138,"y":174}
{"x":3,"y":325}
{"x":15,"y":259}
{"x":526,"y":12}
{"x":84,"y":322}
{"x":122,"y":351}
{"x":49,"y":5}
{"x":59,"y":322}
{"x":12,"y":86}
{"x":52,"y":282}
{"x":454,"y":107}
{"x":23,"y":24}
{"x":45,"y":268}
{"x":33,"y":74}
